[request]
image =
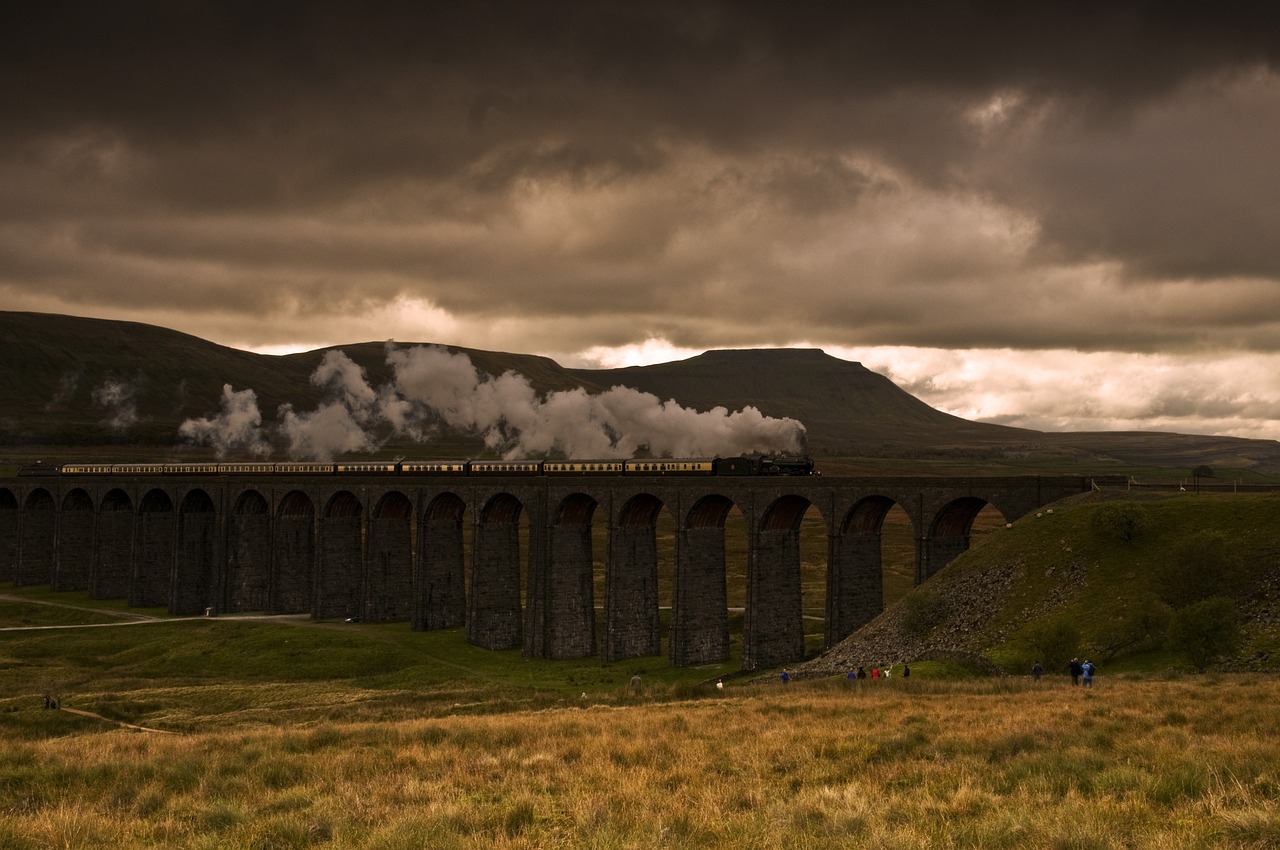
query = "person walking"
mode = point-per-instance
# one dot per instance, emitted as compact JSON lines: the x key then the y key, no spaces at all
{"x":1036,"y":672}
{"x":1076,"y":670}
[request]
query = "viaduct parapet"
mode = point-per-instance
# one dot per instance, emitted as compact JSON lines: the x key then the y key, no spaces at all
{"x":512,"y":560}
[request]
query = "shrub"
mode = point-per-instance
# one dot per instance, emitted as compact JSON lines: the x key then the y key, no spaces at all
{"x":1205,"y":565}
{"x":1205,"y":631}
{"x":922,"y":611}
{"x":1120,"y":522}
{"x":1053,"y":643}
{"x":1142,"y":627}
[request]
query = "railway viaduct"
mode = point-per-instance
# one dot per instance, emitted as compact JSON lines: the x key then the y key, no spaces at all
{"x":445,"y":553}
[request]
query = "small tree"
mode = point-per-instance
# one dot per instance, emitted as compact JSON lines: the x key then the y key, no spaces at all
{"x":1143,"y":626}
{"x":922,"y":610}
{"x":1054,"y":642}
{"x":1205,"y":565}
{"x":1119,"y":522}
{"x":1205,"y":631}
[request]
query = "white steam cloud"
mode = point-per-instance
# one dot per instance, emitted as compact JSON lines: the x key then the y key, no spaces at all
{"x":238,"y":426}
{"x":433,"y":386}
{"x":119,"y":399}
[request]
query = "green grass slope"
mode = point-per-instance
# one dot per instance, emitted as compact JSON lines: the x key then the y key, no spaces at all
{"x":1057,"y":584}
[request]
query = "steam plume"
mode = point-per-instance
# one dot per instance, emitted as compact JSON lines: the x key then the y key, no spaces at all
{"x":118,"y":398}
{"x":238,"y":426}
{"x":432,"y":385}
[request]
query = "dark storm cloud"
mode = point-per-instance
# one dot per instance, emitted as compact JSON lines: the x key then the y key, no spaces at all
{"x":575,"y":174}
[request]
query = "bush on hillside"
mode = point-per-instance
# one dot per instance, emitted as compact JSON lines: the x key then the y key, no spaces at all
{"x":1205,"y":565}
{"x":1142,"y":627}
{"x":1052,"y":642}
{"x":1119,"y":522}
{"x":922,"y":611}
{"x":1206,"y":630}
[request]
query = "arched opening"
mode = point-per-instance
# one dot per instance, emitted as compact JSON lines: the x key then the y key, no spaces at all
{"x":951,"y":530}
{"x":873,"y":557}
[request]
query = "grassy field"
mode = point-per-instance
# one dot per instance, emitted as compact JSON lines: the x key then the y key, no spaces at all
{"x":286,"y":733}
{"x":910,"y":764}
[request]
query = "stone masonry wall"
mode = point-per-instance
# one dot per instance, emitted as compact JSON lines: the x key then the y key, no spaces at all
{"x":632,"y":627}
{"x":774,"y":629}
{"x":294,"y":564}
{"x":113,"y":566}
{"x":248,"y":580}
{"x":572,"y":611}
{"x":75,"y":548}
{"x":440,"y":595}
{"x":700,"y":619}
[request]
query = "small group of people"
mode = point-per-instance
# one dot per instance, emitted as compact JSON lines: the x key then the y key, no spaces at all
{"x":876,"y":672}
{"x":1080,"y":672}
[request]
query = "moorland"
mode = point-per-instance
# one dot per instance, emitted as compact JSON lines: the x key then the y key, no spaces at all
{"x":266,"y":732}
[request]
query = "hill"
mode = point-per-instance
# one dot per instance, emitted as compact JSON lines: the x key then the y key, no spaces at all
{"x":1103,"y":577}
{"x":847,"y":408}
{"x":72,"y":381}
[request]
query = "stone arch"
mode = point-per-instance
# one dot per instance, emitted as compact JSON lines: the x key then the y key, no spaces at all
{"x":493,"y":606}
{"x":113,"y":569}
{"x":388,"y":573}
{"x":393,"y":505}
{"x":855,"y":573}
{"x":570,"y":615}
{"x":248,"y":583}
{"x":293,"y":548}
{"x":39,"y":539}
{"x":632,"y":600}
{"x":195,"y":571}
{"x":773,"y":631}
{"x":441,"y":599}
{"x":75,"y":541}
{"x":8,"y":534}
{"x":948,"y":535}
{"x":700,"y":608}
{"x":340,"y":570}
{"x":155,"y":551}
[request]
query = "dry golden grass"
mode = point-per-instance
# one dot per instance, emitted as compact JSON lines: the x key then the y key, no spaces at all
{"x":900,"y":764}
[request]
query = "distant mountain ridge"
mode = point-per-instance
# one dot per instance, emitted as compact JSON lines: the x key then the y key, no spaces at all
{"x":846,"y":407}
{"x":67,"y":381}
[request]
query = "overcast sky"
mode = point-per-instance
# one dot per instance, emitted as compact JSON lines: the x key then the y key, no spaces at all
{"x":1060,"y":216}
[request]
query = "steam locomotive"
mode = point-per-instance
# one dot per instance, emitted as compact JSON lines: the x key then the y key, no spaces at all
{"x":756,"y":465}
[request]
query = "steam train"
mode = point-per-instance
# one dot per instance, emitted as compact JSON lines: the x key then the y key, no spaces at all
{"x":756,"y":465}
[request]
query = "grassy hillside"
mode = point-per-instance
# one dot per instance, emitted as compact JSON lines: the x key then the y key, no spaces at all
{"x":1060,"y":584}
{"x":121,"y":389}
